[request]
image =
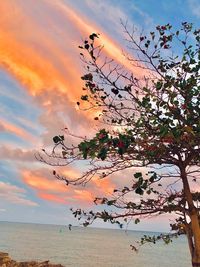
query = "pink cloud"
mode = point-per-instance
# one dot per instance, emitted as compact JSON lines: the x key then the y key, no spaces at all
{"x":51,"y":197}
{"x":48,"y":188}
{"x":14,"y":194}
{"x":2,"y":128}
{"x":17,"y":154}
{"x":46,"y":62}
{"x":18,"y":131}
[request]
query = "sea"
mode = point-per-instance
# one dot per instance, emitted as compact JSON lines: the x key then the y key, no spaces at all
{"x":88,"y":247}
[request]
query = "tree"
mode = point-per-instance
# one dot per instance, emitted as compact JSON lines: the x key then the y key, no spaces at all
{"x":151,"y":123}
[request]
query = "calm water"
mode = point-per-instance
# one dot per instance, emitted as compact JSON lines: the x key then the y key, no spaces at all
{"x":88,"y":247}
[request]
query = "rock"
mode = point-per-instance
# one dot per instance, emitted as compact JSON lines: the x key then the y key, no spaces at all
{"x":4,"y":258}
{"x":6,"y":261}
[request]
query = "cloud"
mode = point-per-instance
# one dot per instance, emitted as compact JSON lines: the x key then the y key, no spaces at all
{"x":45,"y":61}
{"x":2,"y":128}
{"x":41,"y":180}
{"x":111,"y":47}
{"x":147,"y":19}
{"x":14,"y":194}
{"x":48,"y":188}
{"x":17,"y":154}
{"x":110,"y":15}
{"x":195,"y":7}
{"x":16,"y":130}
{"x":2,"y":210}
{"x":52,"y":197}
{"x":40,"y":59}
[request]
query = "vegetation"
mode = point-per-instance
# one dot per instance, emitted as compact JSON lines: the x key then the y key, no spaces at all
{"x":151,"y":126}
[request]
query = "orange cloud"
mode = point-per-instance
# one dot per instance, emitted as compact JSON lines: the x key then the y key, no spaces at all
{"x":50,"y":189}
{"x":54,"y":190}
{"x":39,"y":182}
{"x":32,"y":69}
{"x":34,"y":57}
{"x":104,"y":185}
{"x":12,"y":128}
{"x":43,"y":60}
{"x":51,"y":197}
{"x":84,"y":195}
{"x":42,"y":54}
{"x":46,"y":61}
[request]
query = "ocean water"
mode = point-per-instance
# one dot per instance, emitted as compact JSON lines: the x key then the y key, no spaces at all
{"x":88,"y":247}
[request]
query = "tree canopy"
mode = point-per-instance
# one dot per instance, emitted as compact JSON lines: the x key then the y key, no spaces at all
{"x":150,"y":110}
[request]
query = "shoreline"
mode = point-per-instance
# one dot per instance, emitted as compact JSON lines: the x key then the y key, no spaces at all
{"x":6,"y":261}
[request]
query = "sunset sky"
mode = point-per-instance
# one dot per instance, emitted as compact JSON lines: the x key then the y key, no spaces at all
{"x":40,"y":84}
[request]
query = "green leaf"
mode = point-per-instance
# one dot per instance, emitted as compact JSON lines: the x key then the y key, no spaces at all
{"x":159,"y":85}
{"x":139,"y":191}
{"x":115,"y":91}
{"x":103,"y":153}
{"x":93,"y":36}
{"x":57,"y":139}
{"x":138,"y":175}
{"x":111,"y":202}
{"x":163,"y":130}
{"x":137,"y":221}
{"x":153,"y":177}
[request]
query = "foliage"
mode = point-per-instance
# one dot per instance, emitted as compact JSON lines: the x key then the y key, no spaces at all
{"x":150,"y":120}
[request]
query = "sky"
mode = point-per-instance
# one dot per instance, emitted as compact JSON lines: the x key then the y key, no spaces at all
{"x":40,"y":83}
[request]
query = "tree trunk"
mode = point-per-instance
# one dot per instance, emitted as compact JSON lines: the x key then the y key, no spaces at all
{"x":196,"y":261}
{"x":194,"y":234}
{"x":196,"y":237}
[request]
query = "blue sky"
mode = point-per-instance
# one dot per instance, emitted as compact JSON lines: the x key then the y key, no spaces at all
{"x":40,"y":83}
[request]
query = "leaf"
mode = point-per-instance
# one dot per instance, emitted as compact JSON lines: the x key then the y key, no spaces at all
{"x":125,"y":189}
{"x":64,"y":153}
{"x":153,"y":177}
{"x":103,"y":153}
{"x":137,"y":221}
{"x":139,"y":191}
{"x":148,"y":192}
{"x":111,"y":202}
{"x":87,"y":46}
{"x":93,"y":36}
{"x":159,"y":85}
{"x":114,"y":91}
{"x":87,"y":77}
{"x":163,"y":130}
{"x":62,"y":137}
{"x":85,"y":224}
{"x":138,"y":175}
{"x":84,"y":97}
{"x":56,"y":139}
